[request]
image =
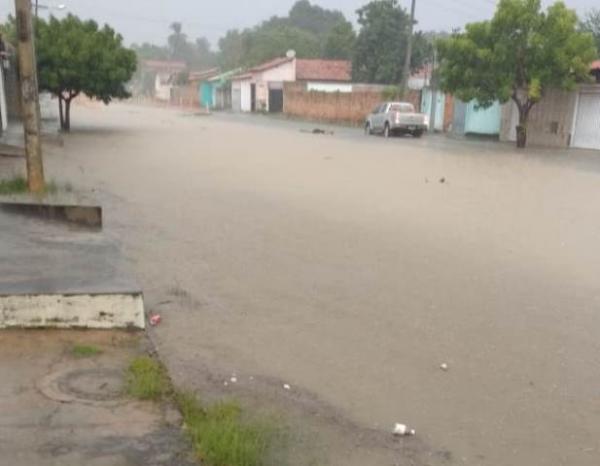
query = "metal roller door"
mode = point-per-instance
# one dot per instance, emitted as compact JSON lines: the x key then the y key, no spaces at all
{"x":587,"y":123}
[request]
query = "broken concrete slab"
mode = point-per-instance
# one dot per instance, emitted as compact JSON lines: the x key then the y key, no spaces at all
{"x":53,"y":275}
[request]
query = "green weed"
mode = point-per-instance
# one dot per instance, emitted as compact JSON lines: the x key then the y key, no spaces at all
{"x":16,"y":185}
{"x":147,"y":379}
{"x":85,"y":351}
{"x":220,"y":436}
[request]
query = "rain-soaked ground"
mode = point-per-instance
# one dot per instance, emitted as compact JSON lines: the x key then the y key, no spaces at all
{"x":352,"y":267}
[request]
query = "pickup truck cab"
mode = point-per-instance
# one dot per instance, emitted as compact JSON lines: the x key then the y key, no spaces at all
{"x":392,"y":118}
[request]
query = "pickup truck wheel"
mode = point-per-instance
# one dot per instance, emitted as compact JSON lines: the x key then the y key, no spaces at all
{"x":418,"y":133}
{"x":368,"y":130}
{"x":386,"y":131}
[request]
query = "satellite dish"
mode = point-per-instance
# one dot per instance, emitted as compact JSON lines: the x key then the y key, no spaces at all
{"x":291,"y":54}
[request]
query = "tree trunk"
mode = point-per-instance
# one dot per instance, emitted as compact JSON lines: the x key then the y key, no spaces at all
{"x":67,"y":125}
{"x":522,"y":126}
{"x":61,"y":111}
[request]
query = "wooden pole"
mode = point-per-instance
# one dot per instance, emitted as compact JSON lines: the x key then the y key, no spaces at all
{"x":29,"y":96}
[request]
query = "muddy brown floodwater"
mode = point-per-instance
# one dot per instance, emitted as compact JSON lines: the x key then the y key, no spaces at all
{"x":342,"y":266}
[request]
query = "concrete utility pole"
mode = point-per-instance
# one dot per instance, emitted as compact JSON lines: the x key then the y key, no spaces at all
{"x":408,"y":57}
{"x":29,"y":96}
{"x":433,"y":85}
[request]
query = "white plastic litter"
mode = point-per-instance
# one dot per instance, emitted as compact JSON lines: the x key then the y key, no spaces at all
{"x":286,"y":386}
{"x":444,"y":367}
{"x":233,"y":379}
{"x":402,"y":430}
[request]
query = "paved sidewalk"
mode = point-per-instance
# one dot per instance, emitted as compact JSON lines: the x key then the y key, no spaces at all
{"x":57,"y":409}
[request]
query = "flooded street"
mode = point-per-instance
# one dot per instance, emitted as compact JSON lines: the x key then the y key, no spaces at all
{"x":352,"y":267}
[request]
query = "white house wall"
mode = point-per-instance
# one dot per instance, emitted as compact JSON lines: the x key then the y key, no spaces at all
{"x":280,"y":74}
{"x":245,"y":96}
{"x":586,"y":128}
{"x":329,"y":87}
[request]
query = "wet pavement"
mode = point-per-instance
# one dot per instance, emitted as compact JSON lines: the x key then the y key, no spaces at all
{"x":343,"y":266}
{"x":57,"y":409}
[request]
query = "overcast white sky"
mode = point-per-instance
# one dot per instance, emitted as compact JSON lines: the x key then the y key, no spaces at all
{"x":148,"y":20}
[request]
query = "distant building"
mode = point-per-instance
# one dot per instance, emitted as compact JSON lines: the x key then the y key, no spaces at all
{"x":158,"y":76}
{"x":201,"y":81}
{"x":261,"y":88}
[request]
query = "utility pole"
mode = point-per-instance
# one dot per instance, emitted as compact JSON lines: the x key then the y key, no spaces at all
{"x":408,"y":57}
{"x":433,"y":88}
{"x":29,"y":96}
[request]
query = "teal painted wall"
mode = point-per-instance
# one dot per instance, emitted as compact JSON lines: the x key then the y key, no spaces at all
{"x":483,"y":121}
{"x":206,"y":95}
{"x":439,"y":109}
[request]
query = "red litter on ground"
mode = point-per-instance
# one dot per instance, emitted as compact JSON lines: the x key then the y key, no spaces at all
{"x":155,"y":320}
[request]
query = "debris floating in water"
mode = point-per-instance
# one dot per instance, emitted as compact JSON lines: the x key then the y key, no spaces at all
{"x":444,"y":366}
{"x":155,"y":320}
{"x":286,"y":386}
{"x":402,"y":430}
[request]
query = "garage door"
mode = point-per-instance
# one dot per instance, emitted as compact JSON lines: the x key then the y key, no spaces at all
{"x":587,"y":124}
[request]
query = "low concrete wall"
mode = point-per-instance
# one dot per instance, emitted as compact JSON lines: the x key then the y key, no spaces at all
{"x":185,"y":96}
{"x":101,"y":311}
{"x":349,"y":107}
{"x":85,"y":216}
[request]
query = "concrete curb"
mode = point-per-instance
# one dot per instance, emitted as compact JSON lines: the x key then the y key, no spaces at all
{"x":85,"y":216}
{"x":93,"y":311}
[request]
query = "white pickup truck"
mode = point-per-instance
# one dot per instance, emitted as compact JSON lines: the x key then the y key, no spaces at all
{"x":392,"y":118}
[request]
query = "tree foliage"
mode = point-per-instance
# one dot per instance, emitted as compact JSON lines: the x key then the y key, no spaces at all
{"x":309,"y":29}
{"x":197,"y":55}
{"x":76,"y":56}
{"x":314,"y":18}
{"x":517,"y":55}
{"x":591,"y":24}
{"x":381,"y":44}
{"x":340,"y":42}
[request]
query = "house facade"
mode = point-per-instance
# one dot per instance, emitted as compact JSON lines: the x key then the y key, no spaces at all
{"x":262,"y":88}
{"x":157,"y":77}
{"x":562,"y":118}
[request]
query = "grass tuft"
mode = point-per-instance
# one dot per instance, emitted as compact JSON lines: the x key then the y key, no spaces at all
{"x":16,"y":185}
{"x":147,"y":379}
{"x":219,"y":434}
{"x":85,"y":351}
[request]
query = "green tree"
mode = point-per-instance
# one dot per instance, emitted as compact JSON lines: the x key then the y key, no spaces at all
{"x":310,"y":30}
{"x":148,"y":51}
{"x":517,"y":55}
{"x":75,"y":57}
{"x":202,"y":55}
{"x":314,"y":18}
{"x":340,"y":42}
{"x":177,"y":42}
{"x":8,"y":30}
{"x":231,"y":49}
{"x":381,"y":44}
{"x":591,"y":23}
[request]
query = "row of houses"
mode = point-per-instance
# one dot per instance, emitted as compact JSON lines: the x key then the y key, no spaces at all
{"x":561,"y":119}
{"x":259,"y":88}
{"x":316,"y":88}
